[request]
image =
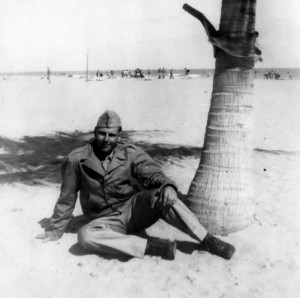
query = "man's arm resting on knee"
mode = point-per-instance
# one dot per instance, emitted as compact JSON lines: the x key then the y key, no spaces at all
{"x":168,"y":195}
{"x":149,"y":174}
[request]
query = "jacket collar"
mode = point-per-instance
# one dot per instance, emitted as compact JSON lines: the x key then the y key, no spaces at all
{"x":117,"y":159}
{"x":90,"y":160}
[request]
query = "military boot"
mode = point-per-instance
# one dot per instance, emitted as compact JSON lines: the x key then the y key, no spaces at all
{"x":217,"y":247}
{"x":161,"y":248}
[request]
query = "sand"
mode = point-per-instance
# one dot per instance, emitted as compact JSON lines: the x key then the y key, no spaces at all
{"x":169,"y":115}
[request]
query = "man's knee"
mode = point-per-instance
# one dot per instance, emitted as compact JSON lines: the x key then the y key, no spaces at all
{"x":90,"y":234}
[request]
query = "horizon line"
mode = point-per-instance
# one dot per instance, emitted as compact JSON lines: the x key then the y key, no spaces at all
{"x":104,"y":70}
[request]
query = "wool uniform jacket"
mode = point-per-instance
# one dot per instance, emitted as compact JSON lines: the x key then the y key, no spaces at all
{"x":131,"y":170}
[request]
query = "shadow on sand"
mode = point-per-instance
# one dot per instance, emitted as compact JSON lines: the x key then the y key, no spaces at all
{"x":37,"y":160}
{"x":183,"y":246}
{"x":77,"y":222}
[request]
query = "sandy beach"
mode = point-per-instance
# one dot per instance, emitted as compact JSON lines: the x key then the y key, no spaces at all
{"x":41,"y":122}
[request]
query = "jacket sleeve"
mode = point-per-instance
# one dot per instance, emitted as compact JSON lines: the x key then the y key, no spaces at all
{"x":68,"y":194}
{"x":148,"y":173}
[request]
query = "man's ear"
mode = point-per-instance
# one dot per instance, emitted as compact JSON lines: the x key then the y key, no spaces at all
{"x":120,"y":135}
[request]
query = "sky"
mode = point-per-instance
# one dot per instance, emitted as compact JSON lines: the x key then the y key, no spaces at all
{"x":119,"y":34}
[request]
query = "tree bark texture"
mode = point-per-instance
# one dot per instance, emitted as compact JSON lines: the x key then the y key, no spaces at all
{"x":221,"y":193}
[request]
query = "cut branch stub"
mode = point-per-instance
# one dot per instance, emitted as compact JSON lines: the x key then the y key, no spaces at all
{"x":237,"y":43}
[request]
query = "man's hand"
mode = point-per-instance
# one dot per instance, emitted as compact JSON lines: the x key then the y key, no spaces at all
{"x":49,"y":236}
{"x":168,"y":196}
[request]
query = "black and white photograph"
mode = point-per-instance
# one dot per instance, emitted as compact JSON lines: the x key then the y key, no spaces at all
{"x":149,"y":149}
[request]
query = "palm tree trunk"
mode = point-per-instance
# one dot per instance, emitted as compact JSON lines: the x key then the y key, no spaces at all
{"x":221,"y":193}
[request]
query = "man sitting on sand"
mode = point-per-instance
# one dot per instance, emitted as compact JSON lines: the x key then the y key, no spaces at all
{"x":122,"y":192}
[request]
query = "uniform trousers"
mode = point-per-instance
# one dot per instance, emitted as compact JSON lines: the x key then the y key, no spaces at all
{"x":115,"y":233}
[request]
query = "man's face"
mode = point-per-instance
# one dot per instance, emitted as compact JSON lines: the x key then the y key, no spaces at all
{"x":107,"y":138}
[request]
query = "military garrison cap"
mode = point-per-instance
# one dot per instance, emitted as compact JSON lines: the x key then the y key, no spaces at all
{"x":109,"y":119}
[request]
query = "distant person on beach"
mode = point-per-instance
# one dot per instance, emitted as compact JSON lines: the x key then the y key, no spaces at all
{"x":122,"y":192}
{"x":159,"y":73}
{"x":290,"y":75}
{"x":171,"y":74}
{"x":163,"y":73}
{"x":187,"y":73}
{"x":48,"y":74}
